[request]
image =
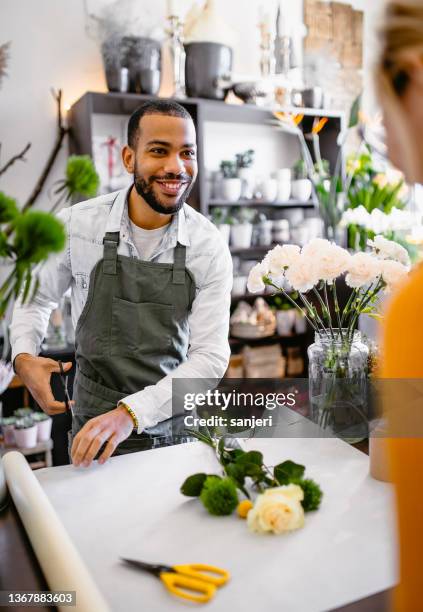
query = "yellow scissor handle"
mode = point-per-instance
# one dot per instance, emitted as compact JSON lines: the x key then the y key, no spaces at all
{"x":207,"y":573}
{"x":184,"y":586}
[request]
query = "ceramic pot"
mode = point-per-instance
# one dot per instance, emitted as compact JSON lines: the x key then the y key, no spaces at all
{"x":269,"y":190}
{"x":247,"y":177}
{"x":231,"y":189}
{"x":239,"y":286}
{"x":284,"y":190}
{"x":241,"y":235}
{"x":26,"y":438}
{"x":206,"y":65}
{"x":44,"y":430}
{"x":142,"y":56}
{"x":301,"y":190}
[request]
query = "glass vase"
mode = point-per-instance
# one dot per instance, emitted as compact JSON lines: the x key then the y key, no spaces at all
{"x":338,"y":375}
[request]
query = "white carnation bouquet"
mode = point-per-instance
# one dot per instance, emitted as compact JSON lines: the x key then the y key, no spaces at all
{"x":316,"y":266}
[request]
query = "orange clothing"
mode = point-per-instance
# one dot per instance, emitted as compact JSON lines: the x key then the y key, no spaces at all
{"x":402,"y":357}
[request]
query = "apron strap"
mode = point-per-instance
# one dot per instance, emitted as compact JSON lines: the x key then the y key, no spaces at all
{"x":179,"y":264}
{"x":110,"y":242}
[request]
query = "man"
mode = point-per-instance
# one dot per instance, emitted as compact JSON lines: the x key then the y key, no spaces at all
{"x":150,"y":280}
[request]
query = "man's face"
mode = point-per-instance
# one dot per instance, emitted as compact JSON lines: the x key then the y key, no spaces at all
{"x":164,"y":163}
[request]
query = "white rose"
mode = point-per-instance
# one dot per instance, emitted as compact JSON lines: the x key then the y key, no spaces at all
{"x":363,"y":269}
{"x":393,"y":273}
{"x":277,"y":510}
{"x":302,"y":274}
{"x":282,"y":257}
{"x":389,"y":249}
{"x":255,"y":282}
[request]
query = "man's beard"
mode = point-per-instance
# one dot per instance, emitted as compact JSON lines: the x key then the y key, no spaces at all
{"x":145,"y":190}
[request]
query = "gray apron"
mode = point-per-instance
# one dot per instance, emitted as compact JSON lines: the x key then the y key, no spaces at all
{"x":132,"y":332}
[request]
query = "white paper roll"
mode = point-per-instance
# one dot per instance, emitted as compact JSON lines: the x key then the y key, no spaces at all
{"x":62,"y":565}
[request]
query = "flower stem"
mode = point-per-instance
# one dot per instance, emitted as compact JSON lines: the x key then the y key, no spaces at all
{"x":289,"y":298}
{"x":327,"y":306}
{"x":335,"y":300}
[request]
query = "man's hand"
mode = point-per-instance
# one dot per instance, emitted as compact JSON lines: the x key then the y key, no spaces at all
{"x":35,"y":373}
{"x":112,"y":427}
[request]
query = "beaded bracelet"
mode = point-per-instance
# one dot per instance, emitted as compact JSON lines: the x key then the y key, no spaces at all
{"x":132,"y":413}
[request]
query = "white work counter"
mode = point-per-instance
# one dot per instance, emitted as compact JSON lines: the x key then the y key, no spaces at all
{"x":132,"y":506}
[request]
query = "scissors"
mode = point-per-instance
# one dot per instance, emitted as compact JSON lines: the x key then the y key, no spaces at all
{"x":196,"y":582}
{"x":64,"y":381}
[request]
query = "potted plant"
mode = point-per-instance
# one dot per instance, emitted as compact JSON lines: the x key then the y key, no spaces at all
{"x":26,"y":433}
{"x":44,"y":423}
{"x":8,"y":428}
{"x":21,"y":413}
{"x":301,"y":185}
{"x":242,"y":228}
{"x":231,"y":184}
{"x":223,"y":221}
{"x":244,"y":162}
{"x":285,"y":316}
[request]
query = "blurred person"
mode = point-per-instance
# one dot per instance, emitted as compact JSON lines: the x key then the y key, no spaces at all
{"x":400,"y":88}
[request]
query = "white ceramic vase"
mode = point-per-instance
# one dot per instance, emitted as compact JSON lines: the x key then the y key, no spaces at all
{"x":301,"y":190}
{"x":239,"y":286}
{"x":269,"y":190}
{"x":44,"y":430}
{"x":26,"y":438}
{"x":247,"y":177}
{"x":231,"y":189}
{"x":284,"y":190}
{"x":241,"y":235}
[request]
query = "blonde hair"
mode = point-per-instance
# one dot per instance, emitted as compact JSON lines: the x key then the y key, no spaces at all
{"x":401,"y":36}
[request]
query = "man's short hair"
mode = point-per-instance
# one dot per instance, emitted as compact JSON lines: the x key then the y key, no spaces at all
{"x":153,"y":107}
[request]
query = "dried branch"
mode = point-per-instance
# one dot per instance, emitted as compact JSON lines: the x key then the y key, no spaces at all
{"x":15,"y":158}
{"x":61,"y":133}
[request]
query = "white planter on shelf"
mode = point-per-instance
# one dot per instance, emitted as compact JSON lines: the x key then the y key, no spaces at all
{"x":284,"y":190}
{"x":285,"y":321}
{"x":239,"y":286}
{"x":44,"y":430}
{"x":269,"y":190}
{"x":284,"y":174}
{"x":247,"y":177}
{"x":301,"y":189}
{"x":231,"y":189}
{"x":300,"y":322}
{"x":241,"y":235}
{"x":225,"y":230}
{"x":26,"y":438}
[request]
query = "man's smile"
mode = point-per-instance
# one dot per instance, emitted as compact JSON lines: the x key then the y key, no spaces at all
{"x":171,"y":187}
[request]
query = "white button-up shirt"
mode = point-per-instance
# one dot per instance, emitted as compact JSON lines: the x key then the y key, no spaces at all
{"x":207,"y":257}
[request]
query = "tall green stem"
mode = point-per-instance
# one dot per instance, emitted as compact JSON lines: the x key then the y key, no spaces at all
{"x":293,"y":303}
{"x":338,"y":316}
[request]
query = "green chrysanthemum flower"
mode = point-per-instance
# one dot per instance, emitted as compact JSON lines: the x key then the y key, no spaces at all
{"x":8,"y":208}
{"x":312,"y":494}
{"x":219,"y":495}
{"x":81,"y":176}
{"x":37,"y":234}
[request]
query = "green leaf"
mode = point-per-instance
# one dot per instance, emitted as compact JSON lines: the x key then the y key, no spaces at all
{"x":355,"y":108}
{"x":288,"y":471}
{"x":255,"y":457}
{"x":236,"y":472}
{"x":193,"y":485}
